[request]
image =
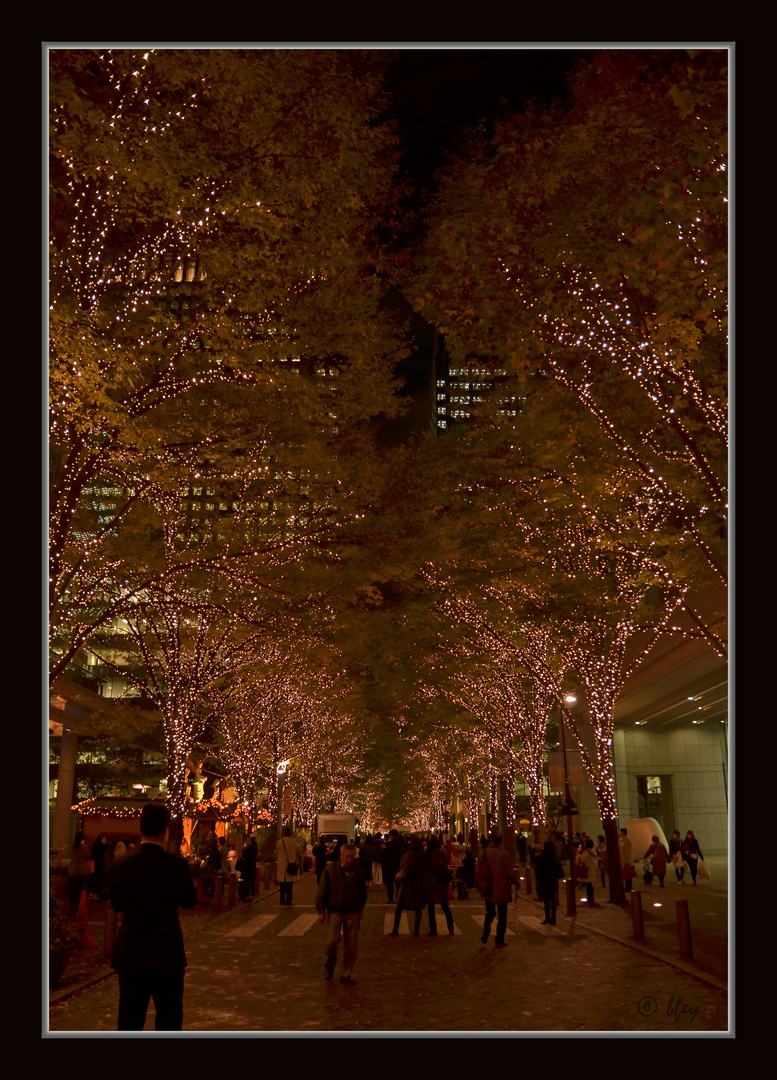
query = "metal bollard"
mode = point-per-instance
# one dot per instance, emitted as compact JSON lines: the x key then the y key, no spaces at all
{"x":111,"y":930}
{"x":232,"y":890}
{"x":684,"y":928}
{"x":528,"y":880}
{"x":636,"y":915}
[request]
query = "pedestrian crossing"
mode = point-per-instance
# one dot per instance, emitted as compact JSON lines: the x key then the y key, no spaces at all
{"x":404,"y":926}
{"x":301,"y":925}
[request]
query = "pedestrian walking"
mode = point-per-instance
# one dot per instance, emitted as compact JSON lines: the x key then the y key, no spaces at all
{"x":78,"y":871}
{"x":148,"y":886}
{"x":493,"y":876}
{"x":366,"y":855}
{"x":392,"y":859}
{"x":587,"y":864}
{"x":411,"y":896}
{"x":676,"y":854}
{"x":627,"y":867}
{"x":692,"y":854}
{"x":288,"y":866}
{"x":548,"y":873}
{"x":340,"y":902}
{"x":658,"y":856}
{"x":437,"y":878}
{"x":248,"y":869}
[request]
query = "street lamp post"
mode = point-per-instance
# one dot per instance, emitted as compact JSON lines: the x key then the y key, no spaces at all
{"x":568,"y":808}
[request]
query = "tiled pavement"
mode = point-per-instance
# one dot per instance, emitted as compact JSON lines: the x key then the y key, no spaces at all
{"x":257,"y":970}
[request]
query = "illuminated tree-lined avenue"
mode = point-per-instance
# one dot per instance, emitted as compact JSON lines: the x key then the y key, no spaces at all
{"x":237,"y":538}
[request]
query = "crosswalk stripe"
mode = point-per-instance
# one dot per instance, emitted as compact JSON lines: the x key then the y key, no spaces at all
{"x":536,"y":924}
{"x":253,"y":927}
{"x":479,"y":920}
{"x":300,"y":926}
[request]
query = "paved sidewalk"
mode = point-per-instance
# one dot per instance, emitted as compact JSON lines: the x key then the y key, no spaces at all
{"x":257,"y":970}
{"x":708,"y":917}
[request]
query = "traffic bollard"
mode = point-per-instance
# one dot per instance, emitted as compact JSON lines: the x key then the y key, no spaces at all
{"x":684,"y":928}
{"x":528,"y":880}
{"x":232,"y":890}
{"x":636,"y":915}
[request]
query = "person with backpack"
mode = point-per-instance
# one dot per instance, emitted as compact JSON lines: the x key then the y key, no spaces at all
{"x":493,"y":875}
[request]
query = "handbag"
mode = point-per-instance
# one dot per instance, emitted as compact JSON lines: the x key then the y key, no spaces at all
{"x":401,"y":874}
{"x":291,"y":867}
{"x":581,"y":871}
{"x":628,"y":871}
{"x":704,"y":871}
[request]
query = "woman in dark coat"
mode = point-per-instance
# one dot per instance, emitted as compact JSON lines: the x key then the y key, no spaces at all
{"x":248,"y":870}
{"x":548,"y":873}
{"x":692,"y":853}
{"x":436,"y":878}
{"x":411,"y":895}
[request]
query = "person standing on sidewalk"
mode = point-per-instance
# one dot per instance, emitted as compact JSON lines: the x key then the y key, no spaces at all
{"x":288,"y":865}
{"x":340,"y":902}
{"x":587,"y":861}
{"x":248,"y":869}
{"x":492,"y":878}
{"x":548,"y":872}
{"x":627,"y":867}
{"x":149,"y":885}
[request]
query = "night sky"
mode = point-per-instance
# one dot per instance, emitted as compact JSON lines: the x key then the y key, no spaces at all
{"x":437,"y":95}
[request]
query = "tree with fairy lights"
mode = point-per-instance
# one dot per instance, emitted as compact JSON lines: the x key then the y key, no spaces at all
{"x":214,"y":279}
{"x":584,"y":251}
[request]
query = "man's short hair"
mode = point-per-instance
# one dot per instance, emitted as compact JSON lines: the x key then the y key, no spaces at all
{"x":154,"y":819}
{"x":348,"y":847}
{"x":495,"y":837}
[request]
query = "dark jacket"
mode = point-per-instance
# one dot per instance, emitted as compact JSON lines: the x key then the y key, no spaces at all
{"x":148,"y":886}
{"x":411,"y":891}
{"x":392,"y":856}
{"x":341,"y":891}
{"x":548,"y":872}
{"x":249,"y":857}
{"x":435,"y":882}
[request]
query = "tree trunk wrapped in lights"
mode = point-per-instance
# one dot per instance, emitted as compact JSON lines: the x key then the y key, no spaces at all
{"x":215,"y":281}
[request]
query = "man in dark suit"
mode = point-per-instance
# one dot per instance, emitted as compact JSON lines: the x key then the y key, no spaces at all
{"x":149,"y":885}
